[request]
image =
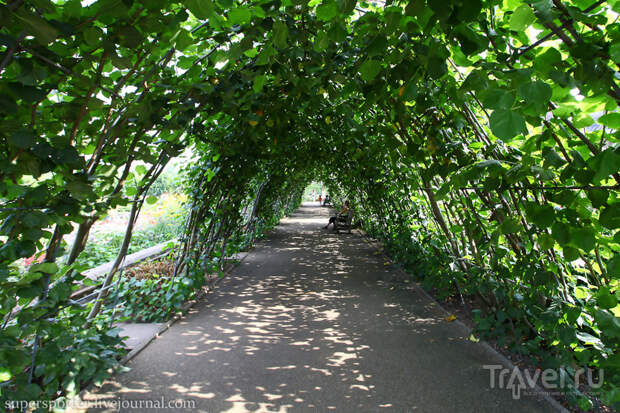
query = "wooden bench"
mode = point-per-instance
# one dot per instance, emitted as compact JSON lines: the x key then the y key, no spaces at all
{"x":344,"y":221}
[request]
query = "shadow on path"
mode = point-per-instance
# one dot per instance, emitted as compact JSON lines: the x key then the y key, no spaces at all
{"x":308,"y":322}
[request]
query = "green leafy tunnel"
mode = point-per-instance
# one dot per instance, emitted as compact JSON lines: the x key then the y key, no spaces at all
{"x":478,"y":139}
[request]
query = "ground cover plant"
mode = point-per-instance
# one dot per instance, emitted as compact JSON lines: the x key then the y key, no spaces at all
{"x":164,"y":223}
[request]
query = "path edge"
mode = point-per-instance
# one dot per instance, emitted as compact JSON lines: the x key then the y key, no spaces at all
{"x":162,"y":329}
{"x":503,"y":359}
{"x":187,"y":306}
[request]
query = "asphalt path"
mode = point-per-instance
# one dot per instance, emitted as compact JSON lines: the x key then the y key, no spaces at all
{"x":312,"y":321}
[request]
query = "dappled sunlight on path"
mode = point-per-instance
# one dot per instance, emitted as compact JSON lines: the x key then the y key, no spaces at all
{"x":309,"y":322}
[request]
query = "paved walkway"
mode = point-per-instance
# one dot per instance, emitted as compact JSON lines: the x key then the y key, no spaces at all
{"x":309,"y":321}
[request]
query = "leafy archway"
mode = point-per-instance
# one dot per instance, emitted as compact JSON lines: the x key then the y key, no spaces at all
{"x":478,"y":138}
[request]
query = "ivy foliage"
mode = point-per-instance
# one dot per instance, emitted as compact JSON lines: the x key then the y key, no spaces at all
{"x":479,"y":135}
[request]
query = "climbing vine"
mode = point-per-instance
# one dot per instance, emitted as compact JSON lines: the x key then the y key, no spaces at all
{"x":478,"y":138}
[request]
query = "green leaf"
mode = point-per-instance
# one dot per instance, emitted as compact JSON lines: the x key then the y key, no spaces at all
{"x":415,"y":8}
{"x":613,"y":268}
{"x":583,"y":238}
{"x":23,"y":138}
{"x":92,"y":35}
{"x":469,"y":10}
{"x":240,"y":15}
{"x":31,"y":291}
{"x":506,"y":124}
{"x":5,"y":375}
{"x":327,"y":11}
{"x":605,"y":299}
{"x":552,"y":157}
{"x":29,"y":94}
{"x":370,"y":69}
{"x":151,"y":199}
{"x":459,"y":58}
{"x":561,"y":233}
{"x":537,"y":92}
{"x":545,"y":241}
{"x":522,"y":18}
{"x":393,"y":16}
{"x":606,"y":322}
{"x":443,"y":191}
{"x":321,"y":41}
{"x":436,"y":67}
{"x":265,"y":55}
{"x":60,"y":291}
{"x":38,"y":27}
{"x":46,"y":267}
{"x":581,"y":293}
{"x":470,"y":42}
{"x":155,"y":5}
{"x":493,"y":166}
{"x":510,"y":225}
{"x":598,"y":197}
{"x":610,"y":216}
{"x":280,"y":34}
{"x":347,"y":6}
{"x":547,"y":60}
{"x":72,"y":9}
{"x":570,"y":253}
{"x":611,"y":120}
{"x":130,"y":37}
{"x":604,"y":164}
{"x":410,"y":91}
{"x":498,"y":99}
{"x":121,"y":62}
{"x":7,"y":104}
{"x":337,"y":33}
{"x":251,"y":53}
{"x":567,"y":335}
{"x":203,"y":9}
{"x":113,"y":8}
{"x":441,"y":8}
{"x":541,"y":215}
{"x":183,"y":40}
{"x":588,"y":338}
{"x":79,"y":190}
{"x":259,"y":82}
{"x":258,"y":11}
{"x":614,"y":52}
